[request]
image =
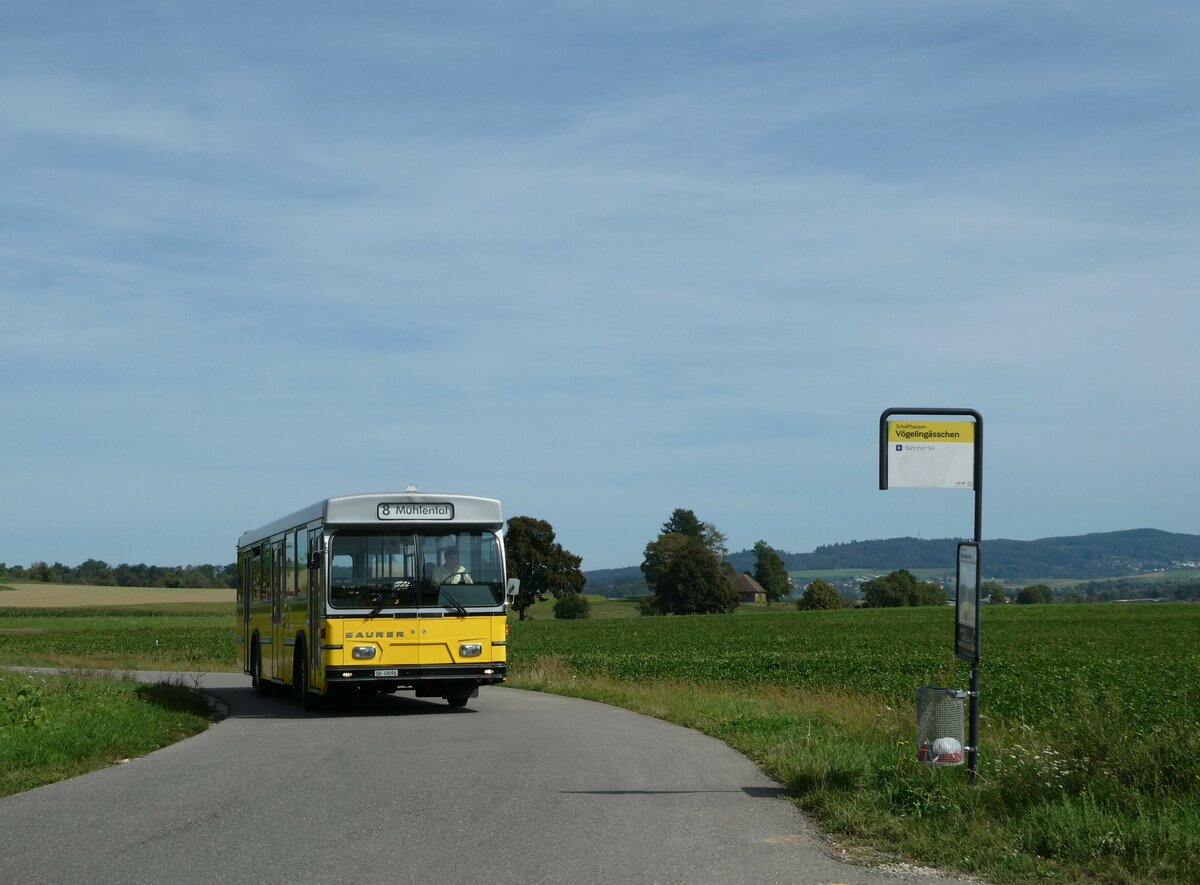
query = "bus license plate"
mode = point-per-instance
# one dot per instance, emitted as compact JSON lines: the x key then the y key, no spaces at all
{"x":387,"y":672}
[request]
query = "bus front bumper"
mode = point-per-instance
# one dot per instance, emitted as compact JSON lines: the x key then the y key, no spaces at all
{"x":441,"y":675}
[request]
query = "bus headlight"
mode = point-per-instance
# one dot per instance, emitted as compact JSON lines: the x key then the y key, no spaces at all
{"x":363,"y":652}
{"x":470,"y":650}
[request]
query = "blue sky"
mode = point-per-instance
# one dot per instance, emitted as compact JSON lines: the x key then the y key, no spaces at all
{"x":596,"y":260}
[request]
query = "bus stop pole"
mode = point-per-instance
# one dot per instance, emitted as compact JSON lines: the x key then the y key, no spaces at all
{"x":973,"y":693}
{"x":973,"y":732}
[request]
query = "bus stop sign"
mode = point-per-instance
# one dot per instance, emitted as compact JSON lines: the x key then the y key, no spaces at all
{"x":966,"y":605}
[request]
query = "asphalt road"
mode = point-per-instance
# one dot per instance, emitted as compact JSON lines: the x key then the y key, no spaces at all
{"x":518,"y":787}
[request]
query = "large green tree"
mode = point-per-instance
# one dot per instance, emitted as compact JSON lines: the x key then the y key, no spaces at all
{"x":900,"y":588}
{"x":820,"y":595}
{"x":685,"y":567}
{"x":95,"y":571}
{"x":685,"y":522}
{"x":543,"y":565}
{"x":574,"y":607}
{"x":994,"y":591}
{"x":1037,"y":594}
{"x":770,"y":572}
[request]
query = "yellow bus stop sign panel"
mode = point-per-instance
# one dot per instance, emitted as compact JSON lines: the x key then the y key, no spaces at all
{"x":931,"y":454}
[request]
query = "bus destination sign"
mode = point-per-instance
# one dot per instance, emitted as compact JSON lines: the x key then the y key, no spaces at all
{"x":418,"y":512}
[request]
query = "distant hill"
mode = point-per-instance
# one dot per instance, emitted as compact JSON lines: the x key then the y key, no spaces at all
{"x":1097,"y":555}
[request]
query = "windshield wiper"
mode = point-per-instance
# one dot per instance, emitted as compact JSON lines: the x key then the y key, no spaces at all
{"x":454,"y":602}
{"x":393,"y":594}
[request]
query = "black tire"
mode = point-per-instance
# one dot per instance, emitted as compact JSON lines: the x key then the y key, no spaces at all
{"x":308,"y":700}
{"x":458,"y":700}
{"x":262,"y":688}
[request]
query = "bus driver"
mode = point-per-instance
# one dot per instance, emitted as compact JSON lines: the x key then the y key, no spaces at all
{"x":450,"y":571}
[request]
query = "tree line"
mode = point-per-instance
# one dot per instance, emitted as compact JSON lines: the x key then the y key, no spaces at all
{"x":686,"y":567}
{"x":544,"y":567}
{"x":689,"y":571}
{"x":101,"y":574}
{"x":1096,"y":555}
{"x":1082,"y":557}
{"x":1127,"y":589}
{"x":899,"y":589}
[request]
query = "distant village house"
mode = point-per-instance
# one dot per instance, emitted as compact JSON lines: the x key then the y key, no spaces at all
{"x":749,"y":590}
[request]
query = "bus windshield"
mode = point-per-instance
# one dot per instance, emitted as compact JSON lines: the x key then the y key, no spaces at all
{"x":381,"y":571}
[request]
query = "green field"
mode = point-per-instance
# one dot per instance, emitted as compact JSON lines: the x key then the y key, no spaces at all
{"x":1039,"y":663}
{"x":168,"y":637}
{"x":1090,"y":743}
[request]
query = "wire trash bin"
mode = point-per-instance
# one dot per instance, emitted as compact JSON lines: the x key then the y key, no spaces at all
{"x":940,"y":716}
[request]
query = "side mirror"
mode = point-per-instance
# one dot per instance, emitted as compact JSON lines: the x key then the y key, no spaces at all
{"x":511,"y":589}
{"x":314,"y":560}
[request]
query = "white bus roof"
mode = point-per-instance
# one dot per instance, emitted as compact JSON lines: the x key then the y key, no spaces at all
{"x":393,"y":509}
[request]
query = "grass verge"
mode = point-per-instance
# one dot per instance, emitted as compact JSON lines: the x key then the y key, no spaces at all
{"x":53,"y":727}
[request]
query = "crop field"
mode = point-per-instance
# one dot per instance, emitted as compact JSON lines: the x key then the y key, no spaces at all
{"x":1139,"y":663}
{"x":34,"y":595}
{"x":176,"y":637}
{"x":1039,"y":662}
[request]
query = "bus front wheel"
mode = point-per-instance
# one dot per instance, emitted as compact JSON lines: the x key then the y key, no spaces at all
{"x":308,"y":700}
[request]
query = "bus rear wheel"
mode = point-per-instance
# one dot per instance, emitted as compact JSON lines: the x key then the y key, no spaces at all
{"x":262,"y":688}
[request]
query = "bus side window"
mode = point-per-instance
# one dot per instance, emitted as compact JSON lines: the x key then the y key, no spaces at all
{"x":259,"y":580}
{"x":243,"y":584}
{"x":279,"y":586}
{"x":302,"y":564}
{"x":290,"y":565}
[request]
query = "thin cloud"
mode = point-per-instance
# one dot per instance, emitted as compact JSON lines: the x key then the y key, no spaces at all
{"x":600,"y":263}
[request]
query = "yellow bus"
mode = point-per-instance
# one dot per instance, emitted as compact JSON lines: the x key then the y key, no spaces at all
{"x":376,"y":593}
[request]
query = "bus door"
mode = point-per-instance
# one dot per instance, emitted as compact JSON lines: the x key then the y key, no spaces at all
{"x":399,"y":566}
{"x":243,"y":608}
{"x":314,"y":580}
{"x":278,"y":601}
{"x":447,"y":635}
{"x":260,"y":608}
